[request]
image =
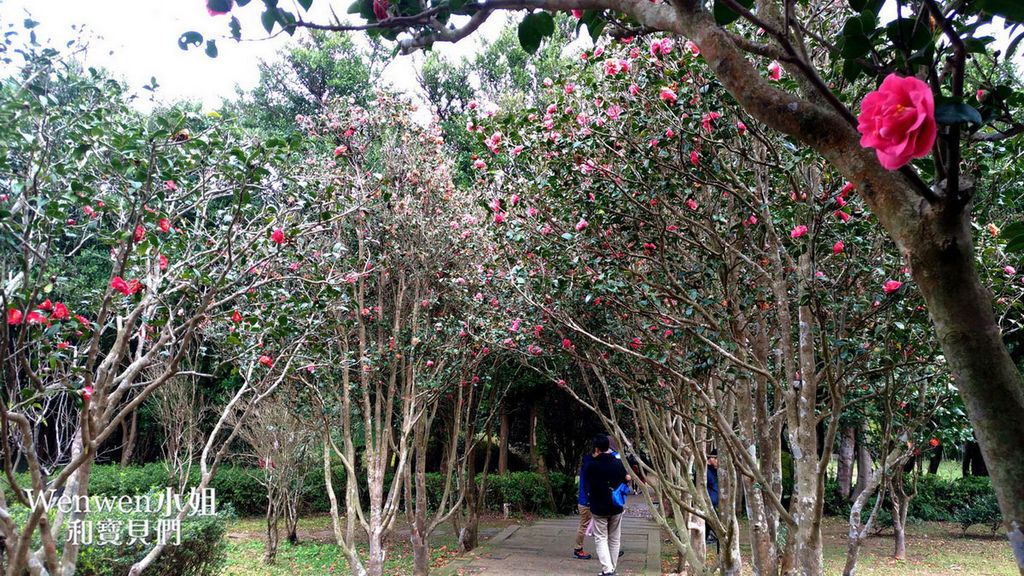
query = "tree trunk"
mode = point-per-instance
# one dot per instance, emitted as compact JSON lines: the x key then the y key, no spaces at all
{"x":377,"y":553}
{"x":129,"y":441}
{"x":935,"y":460}
{"x":974,"y":462}
{"x":503,"y":443}
{"x":864,"y":463}
{"x":535,"y":454}
{"x":847,"y":448}
{"x":469,"y":533}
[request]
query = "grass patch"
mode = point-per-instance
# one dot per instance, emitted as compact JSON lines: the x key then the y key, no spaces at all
{"x":933,"y":549}
{"x":316,"y":554}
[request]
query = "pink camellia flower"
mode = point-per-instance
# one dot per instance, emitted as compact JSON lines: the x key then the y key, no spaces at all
{"x":838,"y":247}
{"x":380,"y":9}
{"x":218,"y":7}
{"x":89,"y":211}
{"x":63,"y":345}
{"x":34,"y":318}
{"x":165,"y":225}
{"x":692,"y":204}
{"x":499,"y":218}
{"x":798,"y":231}
{"x":14,"y":316}
{"x":161,"y":262}
{"x":842,"y":215}
{"x":898,"y":121}
{"x":774,"y":71}
{"x":140,"y":233}
{"x":577,"y":14}
{"x":1010,"y":270}
{"x":566,"y":343}
{"x":60,"y":312}
{"x":87,"y":393}
{"x":846,"y":190}
{"x":277,"y":236}
{"x":581,"y":224}
{"x":669,"y":133}
{"x":170,"y":185}
{"x":531,"y":211}
{"x":694,"y":158}
{"x":479,"y":164}
{"x":547,"y":82}
{"x":266,"y":361}
{"x":613,"y":112}
{"x":691,"y":48}
{"x":741,"y":127}
{"x":120,"y":285}
{"x":514,"y":199}
{"x":668,"y":95}
{"x":841,"y":201}
{"x":634,"y":89}
{"x":569,"y":88}
{"x":891,"y":286}
{"x":340,"y":150}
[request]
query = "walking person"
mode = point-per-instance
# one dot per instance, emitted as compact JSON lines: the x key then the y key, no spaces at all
{"x":712,"y":482}
{"x":604,"y":474}
{"x":583,"y":504}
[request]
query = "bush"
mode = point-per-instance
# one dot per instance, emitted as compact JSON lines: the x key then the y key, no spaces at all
{"x":202,"y":551}
{"x":984,"y":511}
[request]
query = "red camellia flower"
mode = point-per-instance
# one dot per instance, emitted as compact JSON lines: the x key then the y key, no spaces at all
{"x":120,"y":285}
{"x":277,"y":236}
{"x":14,"y":316}
{"x":63,"y":345}
{"x":892,"y":286}
{"x":566,"y":343}
{"x":165,"y":225}
{"x":170,"y":185}
{"x":934,"y":442}
{"x":668,"y":95}
{"x":581,"y":224}
{"x":774,"y":71}
{"x":46,"y":306}
{"x":60,"y":312}
{"x":87,"y":393}
{"x":266,"y":361}
{"x":161,"y":261}
{"x":838,"y":247}
{"x":380,"y":9}
{"x":34,"y":318}
{"x":898,"y":121}
{"x":798,"y":231}
{"x":236,"y":317}
{"x":140,"y":233}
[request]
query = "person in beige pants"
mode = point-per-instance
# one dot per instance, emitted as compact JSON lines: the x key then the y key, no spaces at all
{"x":583,"y":505}
{"x":604,"y":474}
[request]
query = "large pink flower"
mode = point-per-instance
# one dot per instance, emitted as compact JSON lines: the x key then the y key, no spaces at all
{"x":898,"y":121}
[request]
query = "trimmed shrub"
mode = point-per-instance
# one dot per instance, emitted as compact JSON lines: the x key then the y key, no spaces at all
{"x":202,"y":551}
{"x":984,"y":511}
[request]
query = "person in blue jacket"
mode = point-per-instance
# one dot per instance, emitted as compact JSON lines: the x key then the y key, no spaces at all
{"x":604,"y":474}
{"x":712,"y":479}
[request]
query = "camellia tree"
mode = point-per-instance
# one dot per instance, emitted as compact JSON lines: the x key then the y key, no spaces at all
{"x":714,"y":286}
{"x":170,"y":214}
{"x":785,"y":64}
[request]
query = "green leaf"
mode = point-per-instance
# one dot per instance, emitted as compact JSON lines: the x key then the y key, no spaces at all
{"x":723,"y":14}
{"x":191,"y":39}
{"x":222,"y":6}
{"x":957,"y":112}
{"x":1014,"y":235}
{"x":305,"y":4}
{"x":533,"y":29}
{"x":1012,"y":10}
{"x":30,"y":23}
{"x":851,"y":69}
{"x":211,"y":48}
{"x":236,"y":28}
{"x":269,"y":19}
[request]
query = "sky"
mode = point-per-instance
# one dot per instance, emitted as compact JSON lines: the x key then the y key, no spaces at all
{"x":138,"y":40}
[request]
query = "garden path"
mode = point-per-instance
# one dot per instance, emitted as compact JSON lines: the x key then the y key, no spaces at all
{"x":544,"y":548}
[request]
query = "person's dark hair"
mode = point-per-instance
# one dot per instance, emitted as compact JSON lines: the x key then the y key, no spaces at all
{"x":601,"y":442}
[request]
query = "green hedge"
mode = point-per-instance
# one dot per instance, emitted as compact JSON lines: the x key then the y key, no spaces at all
{"x":965,"y":500}
{"x":523,"y":491}
{"x":202,"y":551}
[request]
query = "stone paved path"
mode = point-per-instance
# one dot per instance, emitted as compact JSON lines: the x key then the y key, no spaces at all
{"x":545,"y":549}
